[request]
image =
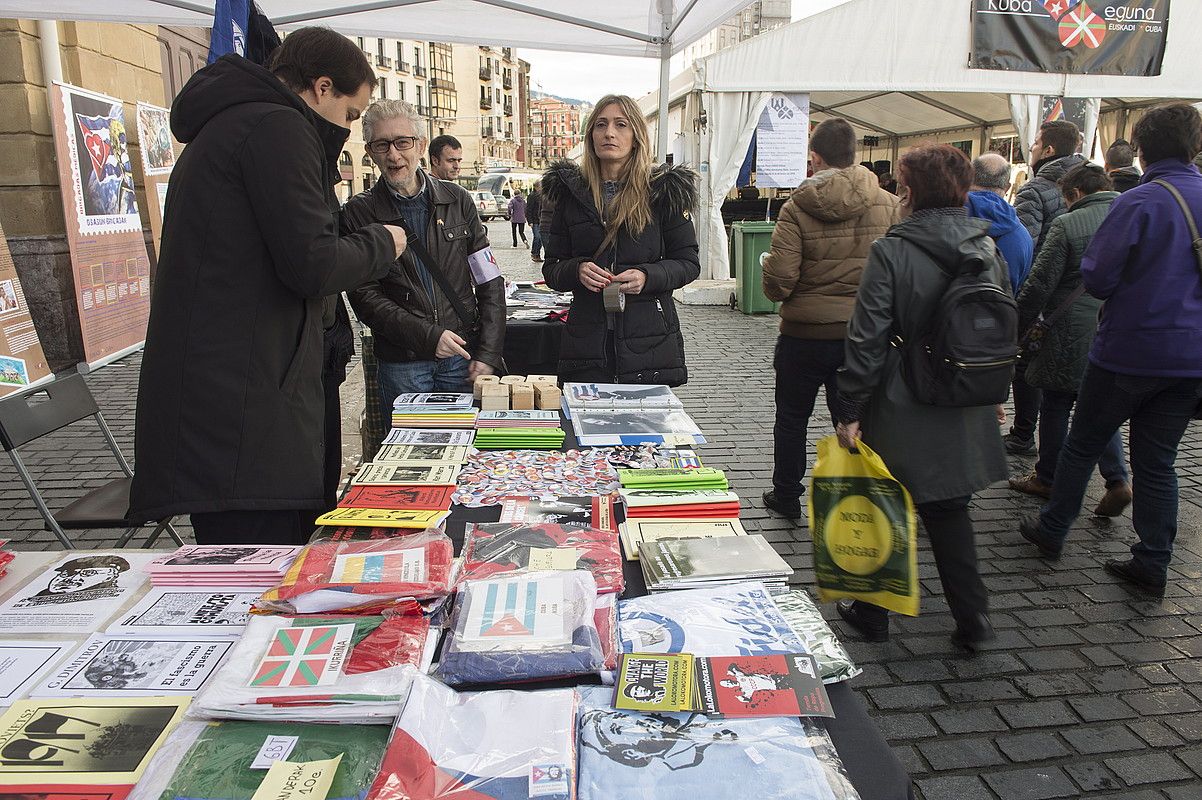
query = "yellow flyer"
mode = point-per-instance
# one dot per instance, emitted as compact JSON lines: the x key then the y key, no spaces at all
{"x":383,"y":518}
{"x":307,"y":780}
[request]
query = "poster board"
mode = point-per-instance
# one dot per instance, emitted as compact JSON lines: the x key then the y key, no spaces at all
{"x":158,"y":159}
{"x":22,"y":362}
{"x":782,"y":138}
{"x":109,"y":261}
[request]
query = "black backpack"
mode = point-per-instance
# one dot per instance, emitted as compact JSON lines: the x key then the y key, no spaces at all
{"x":967,"y":356}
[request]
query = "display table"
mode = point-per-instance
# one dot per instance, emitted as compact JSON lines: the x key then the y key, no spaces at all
{"x":532,"y":346}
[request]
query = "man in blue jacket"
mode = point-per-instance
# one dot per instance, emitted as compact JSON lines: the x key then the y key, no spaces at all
{"x":987,"y":201}
{"x":1145,"y":364}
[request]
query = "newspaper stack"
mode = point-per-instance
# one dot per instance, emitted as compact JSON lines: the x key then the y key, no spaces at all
{"x":242,"y":565}
{"x":670,"y":564}
{"x":434,"y":410}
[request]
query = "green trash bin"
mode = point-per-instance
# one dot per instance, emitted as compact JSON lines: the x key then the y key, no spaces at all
{"x":750,"y":240}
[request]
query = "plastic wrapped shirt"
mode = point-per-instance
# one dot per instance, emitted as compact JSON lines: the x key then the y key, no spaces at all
{"x":496,"y":548}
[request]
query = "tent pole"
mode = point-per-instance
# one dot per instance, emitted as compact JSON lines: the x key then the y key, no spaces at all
{"x":661,"y":126}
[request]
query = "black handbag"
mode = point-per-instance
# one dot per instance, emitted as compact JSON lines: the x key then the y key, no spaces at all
{"x":1032,"y":341}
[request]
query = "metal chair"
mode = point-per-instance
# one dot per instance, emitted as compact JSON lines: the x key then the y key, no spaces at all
{"x":67,"y":400}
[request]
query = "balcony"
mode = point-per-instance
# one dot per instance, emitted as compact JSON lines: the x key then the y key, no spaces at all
{"x":420,"y":72}
{"x":383,"y":61}
{"x":485,"y":103}
{"x":486,"y":73}
{"x":507,"y":82}
{"x":402,"y":66}
{"x":507,"y":52}
{"x":508,"y":108}
{"x":486,"y":133}
{"x":440,"y":83}
{"x":423,"y":110}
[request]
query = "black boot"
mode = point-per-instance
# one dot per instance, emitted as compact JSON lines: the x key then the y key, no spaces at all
{"x":971,"y":636}
{"x":787,"y":508}
{"x":871,"y":621}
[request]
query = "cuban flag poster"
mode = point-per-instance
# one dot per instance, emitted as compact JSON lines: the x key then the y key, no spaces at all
{"x":1077,"y":37}
{"x":102,"y":175}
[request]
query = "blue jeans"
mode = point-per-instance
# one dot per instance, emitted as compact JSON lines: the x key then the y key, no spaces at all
{"x":536,"y":241}
{"x":403,"y":377}
{"x":1054,"y":412}
{"x":1159,"y":409}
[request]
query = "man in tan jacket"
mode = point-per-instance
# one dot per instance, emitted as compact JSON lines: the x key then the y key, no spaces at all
{"x":818,"y":250}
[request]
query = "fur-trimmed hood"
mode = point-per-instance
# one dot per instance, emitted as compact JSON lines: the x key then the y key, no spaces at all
{"x":673,"y":185}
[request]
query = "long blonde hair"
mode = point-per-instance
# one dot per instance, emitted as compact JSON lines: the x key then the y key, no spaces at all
{"x":631,"y":207}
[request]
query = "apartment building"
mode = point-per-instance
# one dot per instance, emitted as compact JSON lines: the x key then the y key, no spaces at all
{"x":554,"y":130}
{"x":492,"y":86}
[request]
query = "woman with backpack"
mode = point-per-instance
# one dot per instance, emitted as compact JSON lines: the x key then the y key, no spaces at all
{"x":941,"y":454}
{"x":1070,"y":319}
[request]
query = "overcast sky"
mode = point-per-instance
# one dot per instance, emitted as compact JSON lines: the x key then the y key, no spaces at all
{"x":588,"y":77}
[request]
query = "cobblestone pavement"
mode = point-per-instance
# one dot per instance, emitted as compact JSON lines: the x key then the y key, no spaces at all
{"x":1089,"y":690}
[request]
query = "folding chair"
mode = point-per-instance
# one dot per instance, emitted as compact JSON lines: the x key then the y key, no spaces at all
{"x":67,"y":400}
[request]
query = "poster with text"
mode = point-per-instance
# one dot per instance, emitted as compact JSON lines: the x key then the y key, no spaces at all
{"x":1076,"y":37}
{"x":158,"y":159}
{"x":23,"y":662}
{"x":782,"y":141}
{"x":136,"y":666}
{"x":104,"y":230}
{"x":22,"y":362}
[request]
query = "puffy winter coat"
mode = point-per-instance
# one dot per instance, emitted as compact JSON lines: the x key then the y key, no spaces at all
{"x":1039,"y":201}
{"x":230,"y":400}
{"x":819,"y":247}
{"x":1064,"y":352}
{"x":643,"y":344}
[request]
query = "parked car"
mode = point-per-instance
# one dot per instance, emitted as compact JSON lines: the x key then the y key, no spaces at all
{"x":489,"y":206}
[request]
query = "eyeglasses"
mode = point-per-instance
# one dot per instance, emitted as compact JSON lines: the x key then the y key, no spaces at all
{"x":401,"y":143}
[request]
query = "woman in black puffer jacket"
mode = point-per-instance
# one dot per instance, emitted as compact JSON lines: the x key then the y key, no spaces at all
{"x":619,"y":221}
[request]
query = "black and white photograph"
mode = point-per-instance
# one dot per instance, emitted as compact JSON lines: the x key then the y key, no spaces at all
{"x":79,"y":594}
{"x":115,"y":666}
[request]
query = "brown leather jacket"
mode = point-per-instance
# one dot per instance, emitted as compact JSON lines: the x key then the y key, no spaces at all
{"x":819,"y":248}
{"x":397,"y":308}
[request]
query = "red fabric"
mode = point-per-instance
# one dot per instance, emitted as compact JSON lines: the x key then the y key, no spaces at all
{"x":497,"y":548}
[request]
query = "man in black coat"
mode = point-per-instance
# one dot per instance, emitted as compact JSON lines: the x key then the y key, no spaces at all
{"x":230,"y":403}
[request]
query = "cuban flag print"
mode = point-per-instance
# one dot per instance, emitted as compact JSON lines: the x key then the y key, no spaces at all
{"x":105,"y":140}
{"x":495,"y":745}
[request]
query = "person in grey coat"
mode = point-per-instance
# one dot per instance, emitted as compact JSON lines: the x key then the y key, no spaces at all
{"x":1059,"y":365}
{"x":941,"y":455}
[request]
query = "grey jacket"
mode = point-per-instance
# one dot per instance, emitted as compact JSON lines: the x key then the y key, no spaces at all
{"x":1039,"y":201}
{"x":1060,"y":363}
{"x":937,"y":453}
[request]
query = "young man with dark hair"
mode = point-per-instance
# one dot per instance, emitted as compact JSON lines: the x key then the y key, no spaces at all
{"x":1145,"y":364}
{"x":446,"y":157}
{"x":1120,"y":166}
{"x":1038,"y":203}
{"x":818,"y":250}
{"x":230,"y":401}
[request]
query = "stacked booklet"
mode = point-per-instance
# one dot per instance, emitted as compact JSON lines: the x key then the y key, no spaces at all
{"x":637,"y":530}
{"x":608,"y":414}
{"x":246,"y":565}
{"x":434,"y":410}
{"x":670,"y":564}
{"x":530,"y":438}
{"x":676,"y":479}
{"x":686,"y":503}
{"x":517,"y":419}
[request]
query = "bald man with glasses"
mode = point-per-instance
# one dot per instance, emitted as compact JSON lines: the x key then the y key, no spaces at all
{"x":438,"y":316}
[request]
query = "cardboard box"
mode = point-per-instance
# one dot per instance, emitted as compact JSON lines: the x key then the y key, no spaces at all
{"x":521,"y":397}
{"x":494,"y":397}
{"x":481,"y":381}
{"x":547,"y":397}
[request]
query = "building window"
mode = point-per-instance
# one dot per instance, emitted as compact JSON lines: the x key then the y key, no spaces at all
{"x":383,"y":88}
{"x":400,"y":90}
{"x":380,"y":46}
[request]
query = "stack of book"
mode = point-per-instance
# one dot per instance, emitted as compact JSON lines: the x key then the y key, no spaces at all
{"x":670,"y":564}
{"x":693,"y":504}
{"x":607,"y":414}
{"x":242,"y":565}
{"x":434,"y":410}
{"x":517,"y":419}
{"x":675,"y":479}
{"x":519,"y":438}
{"x":637,"y":530}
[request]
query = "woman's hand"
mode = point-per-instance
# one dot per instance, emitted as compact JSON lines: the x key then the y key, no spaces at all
{"x":848,"y":433}
{"x":593,"y":277}
{"x":632,"y":281}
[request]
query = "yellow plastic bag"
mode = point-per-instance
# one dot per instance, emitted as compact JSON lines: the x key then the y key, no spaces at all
{"x":864,"y":528}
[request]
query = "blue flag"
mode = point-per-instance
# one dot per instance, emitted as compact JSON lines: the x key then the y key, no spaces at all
{"x":230,"y":21}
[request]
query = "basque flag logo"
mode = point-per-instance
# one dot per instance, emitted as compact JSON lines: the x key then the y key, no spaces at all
{"x":1076,"y":23}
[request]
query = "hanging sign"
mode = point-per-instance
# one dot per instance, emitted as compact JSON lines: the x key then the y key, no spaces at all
{"x":1077,"y":37}
{"x":782,"y":141}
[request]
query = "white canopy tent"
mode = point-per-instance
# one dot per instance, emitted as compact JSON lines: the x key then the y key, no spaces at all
{"x":645,"y":28}
{"x":897,"y":69}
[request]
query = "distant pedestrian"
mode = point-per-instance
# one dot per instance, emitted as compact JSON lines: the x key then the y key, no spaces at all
{"x":534,"y":209}
{"x":517,"y":217}
{"x":1120,"y":166}
{"x":1145,"y":364}
{"x":1038,"y":203}
{"x":940,"y":454}
{"x":1054,"y":290}
{"x":229,"y":424}
{"x":819,"y":246}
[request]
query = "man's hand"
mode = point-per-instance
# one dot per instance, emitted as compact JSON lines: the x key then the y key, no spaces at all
{"x":593,"y":277}
{"x":398,"y":238}
{"x":848,"y":433}
{"x":451,"y":344}
{"x":478,"y":368}
{"x":632,"y":281}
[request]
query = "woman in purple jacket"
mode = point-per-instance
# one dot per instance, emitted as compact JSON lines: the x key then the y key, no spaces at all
{"x":1145,"y":364}
{"x":517,"y":218}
